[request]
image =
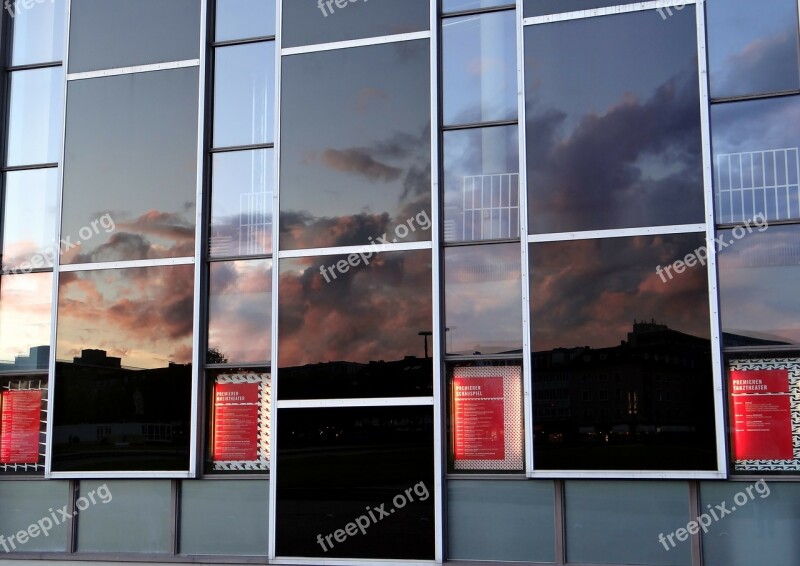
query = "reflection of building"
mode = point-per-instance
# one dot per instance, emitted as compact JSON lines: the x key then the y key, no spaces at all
{"x":654,"y":383}
{"x":38,"y":358}
{"x":97,"y":358}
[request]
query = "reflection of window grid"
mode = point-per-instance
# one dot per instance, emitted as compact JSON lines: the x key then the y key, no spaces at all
{"x":760,"y":179}
{"x":489,"y":211}
{"x":254,"y":214}
{"x":32,"y":384}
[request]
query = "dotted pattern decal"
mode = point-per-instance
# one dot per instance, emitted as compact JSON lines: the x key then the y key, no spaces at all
{"x":512,"y":412}
{"x":793,"y":366}
{"x":264,"y":426}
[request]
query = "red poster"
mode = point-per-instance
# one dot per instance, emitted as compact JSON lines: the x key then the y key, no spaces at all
{"x":19,"y":426}
{"x":235,"y":422}
{"x":762,"y":415}
{"x":479,"y":431}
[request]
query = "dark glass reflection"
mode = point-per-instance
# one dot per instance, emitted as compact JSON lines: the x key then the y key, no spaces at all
{"x":29,"y":219}
{"x":483,"y":299}
{"x":621,"y":355}
{"x":244,"y":94}
{"x":34,"y":131}
{"x":25,"y":321}
{"x":759,"y":278}
{"x":241,"y":203}
{"x":613,"y":145}
{"x":239,"y":312}
{"x":480,"y":68}
{"x":307,"y":22}
{"x":241,"y":19}
{"x":38,"y":32}
{"x":337,"y":464}
{"x":756,"y":165}
{"x":355,"y":157}
{"x":124,"y":352}
{"x":752,"y":47}
{"x":449,"y":6}
{"x":546,"y":7}
{"x":481,"y":184}
{"x":143,"y":128}
{"x":132,"y":32}
{"x":356,"y":326}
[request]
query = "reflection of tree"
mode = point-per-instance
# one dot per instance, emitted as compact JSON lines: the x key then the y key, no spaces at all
{"x":214,"y":356}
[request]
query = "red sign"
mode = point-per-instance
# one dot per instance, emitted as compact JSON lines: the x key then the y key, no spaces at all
{"x":235,"y":422}
{"x":479,"y":431}
{"x":19,"y":426}
{"x":762,"y":415}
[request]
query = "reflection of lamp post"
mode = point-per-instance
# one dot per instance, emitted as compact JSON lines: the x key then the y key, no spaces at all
{"x":452,"y":331}
{"x":425,"y":334}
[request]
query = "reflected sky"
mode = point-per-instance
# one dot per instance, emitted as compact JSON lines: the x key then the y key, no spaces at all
{"x":479,"y":58}
{"x":759,"y":279}
{"x":34,"y":131}
{"x":768,"y":133}
{"x":483,"y":299}
{"x":29,"y":216}
{"x":613,"y":145}
{"x":355,"y":157}
{"x":142,"y":315}
{"x":544,"y":7}
{"x":240,"y":311}
{"x":305,"y":23}
{"x":142,"y":128}
{"x":241,"y":203}
{"x":240,"y":19}
{"x":753,"y":47}
{"x":38,"y":33}
{"x":588,"y":292}
{"x":459,"y":5}
{"x":25,"y":304}
{"x":371,"y":312}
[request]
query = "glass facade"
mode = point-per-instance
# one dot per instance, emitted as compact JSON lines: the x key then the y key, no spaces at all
{"x":418,"y":280}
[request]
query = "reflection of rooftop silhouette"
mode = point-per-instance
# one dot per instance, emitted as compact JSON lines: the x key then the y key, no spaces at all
{"x":738,"y":340}
{"x":97,"y":358}
{"x":38,"y":358}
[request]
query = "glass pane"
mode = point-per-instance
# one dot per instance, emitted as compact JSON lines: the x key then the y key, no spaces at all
{"x":34,"y":131}
{"x":25,"y":304}
{"x":132,"y":32}
{"x":307,"y":22}
{"x":356,"y":166}
{"x":38,"y":32}
{"x":613,"y":145}
{"x":356,"y":326}
{"x":239,"y":434}
{"x":241,"y":203}
{"x":609,"y":395}
{"x":141,"y":203}
{"x":641,"y":512}
{"x":763,"y":531}
{"x":29,"y":219}
{"x":461,"y":5}
{"x":375,"y":459}
{"x":480,"y":68}
{"x":508,"y":521}
{"x":759,"y":275}
{"x":546,"y":7}
{"x":756,"y":163}
{"x":483,"y":298}
{"x":124,"y":352}
{"x":752,"y":47}
{"x":224,"y":517}
{"x":239,"y":312}
{"x":241,"y":19}
{"x":481,"y":184}
{"x":27,"y":502}
{"x":244,"y":94}
{"x":137,"y":521}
